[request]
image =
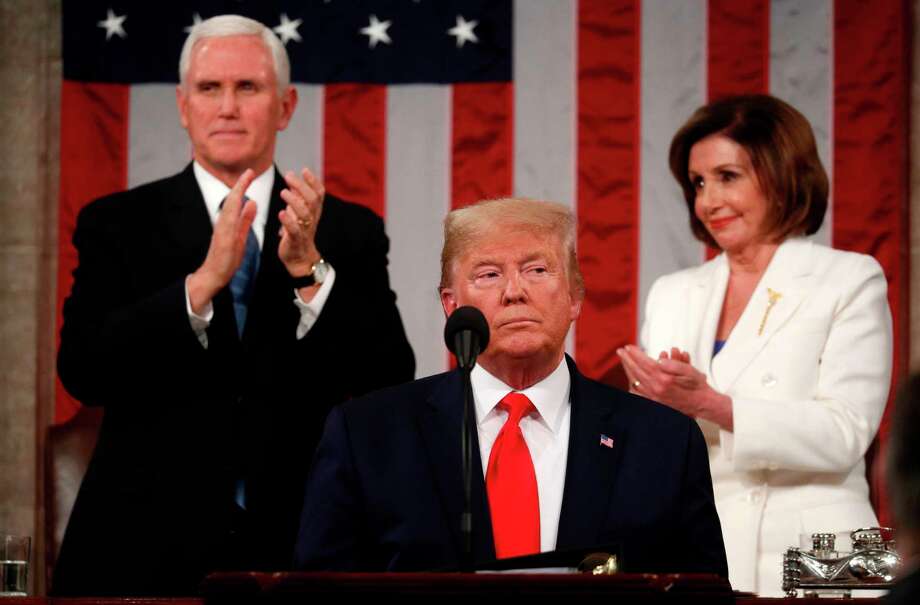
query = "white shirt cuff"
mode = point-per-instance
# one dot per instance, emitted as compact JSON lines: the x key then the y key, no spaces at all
{"x":198,"y":322}
{"x":309,"y":311}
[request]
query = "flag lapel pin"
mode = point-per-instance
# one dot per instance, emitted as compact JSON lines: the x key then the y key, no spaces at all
{"x":607,"y":441}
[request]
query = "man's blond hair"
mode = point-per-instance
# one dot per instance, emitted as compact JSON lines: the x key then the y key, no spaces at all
{"x":465,"y":226}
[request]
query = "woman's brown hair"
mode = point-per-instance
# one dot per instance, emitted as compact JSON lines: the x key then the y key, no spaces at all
{"x":783,"y":153}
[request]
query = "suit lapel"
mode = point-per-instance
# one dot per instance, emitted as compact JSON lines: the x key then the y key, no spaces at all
{"x":787,"y":280}
{"x":591,"y":467}
{"x":272,"y":237}
{"x":272,"y":273}
{"x":439,"y":423}
{"x":187,"y":221}
{"x":707,"y":294}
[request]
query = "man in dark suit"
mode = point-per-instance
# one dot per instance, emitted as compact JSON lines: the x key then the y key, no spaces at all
{"x":217,"y":315}
{"x":560,"y":461}
{"x":904,"y":490}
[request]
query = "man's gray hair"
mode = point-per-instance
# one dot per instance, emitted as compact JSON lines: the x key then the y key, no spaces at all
{"x":902,"y":467}
{"x":236,"y":25}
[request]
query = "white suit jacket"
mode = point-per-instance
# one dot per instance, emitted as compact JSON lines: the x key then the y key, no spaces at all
{"x":808,"y":392}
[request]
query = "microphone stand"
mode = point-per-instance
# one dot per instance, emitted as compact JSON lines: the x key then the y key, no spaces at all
{"x":468,"y":347}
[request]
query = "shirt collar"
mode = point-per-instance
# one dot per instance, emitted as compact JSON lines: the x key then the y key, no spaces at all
{"x":550,"y":396}
{"x":214,"y":191}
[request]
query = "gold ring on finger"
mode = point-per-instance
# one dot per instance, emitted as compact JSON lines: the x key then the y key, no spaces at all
{"x":304,"y":223}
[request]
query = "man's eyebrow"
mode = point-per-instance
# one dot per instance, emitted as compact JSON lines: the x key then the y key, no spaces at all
{"x":532,"y":257}
{"x":485,"y":261}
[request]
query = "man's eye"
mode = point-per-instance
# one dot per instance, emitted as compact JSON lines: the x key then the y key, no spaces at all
{"x":486,"y":277}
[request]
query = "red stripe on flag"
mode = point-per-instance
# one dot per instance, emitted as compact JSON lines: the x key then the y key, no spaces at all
{"x":482,"y":145}
{"x":871,"y":76}
{"x":608,"y":176}
{"x":355,"y":141}
{"x":739,"y":47}
{"x":94,"y":162}
{"x":481,"y":142}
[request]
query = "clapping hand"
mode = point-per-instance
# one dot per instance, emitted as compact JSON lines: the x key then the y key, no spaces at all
{"x":672,"y":380}
{"x":304,"y":198}
{"x":227,"y":247}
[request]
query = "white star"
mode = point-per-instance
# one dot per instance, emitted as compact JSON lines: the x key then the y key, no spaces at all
{"x":463,"y":30}
{"x":288,"y":29}
{"x":377,"y":32}
{"x":196,"y":19}
{"x":112,"y":25}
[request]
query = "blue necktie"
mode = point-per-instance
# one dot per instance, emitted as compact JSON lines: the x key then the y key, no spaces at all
{"x":244,"y":279}
{"x":241,"y":287}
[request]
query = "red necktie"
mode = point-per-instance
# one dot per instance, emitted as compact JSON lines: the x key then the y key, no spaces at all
{"x":512,"y":485}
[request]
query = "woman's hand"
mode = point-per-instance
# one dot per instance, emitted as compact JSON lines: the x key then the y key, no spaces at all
{"x":671,"y":380}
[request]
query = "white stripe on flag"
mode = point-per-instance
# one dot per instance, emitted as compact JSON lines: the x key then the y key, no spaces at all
{"x":417,"y":199}
{"x":158,"y":146}
{"x":301,"y":143}
{"x":801,"y":74}
{"x":673,"y":77}
{"x":544,"y":101}
{"x":544,"y":104}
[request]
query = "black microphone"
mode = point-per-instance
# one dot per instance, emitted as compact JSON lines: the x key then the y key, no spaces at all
{"x":466,"y":335}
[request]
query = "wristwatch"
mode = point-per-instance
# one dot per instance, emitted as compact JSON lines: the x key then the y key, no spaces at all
{"x":317,"y":275}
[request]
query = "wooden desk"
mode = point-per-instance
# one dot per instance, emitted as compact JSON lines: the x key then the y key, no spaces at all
{"x":450,"y":588}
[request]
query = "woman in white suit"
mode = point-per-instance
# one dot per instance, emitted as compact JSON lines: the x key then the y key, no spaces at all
{"x":780,"y":347}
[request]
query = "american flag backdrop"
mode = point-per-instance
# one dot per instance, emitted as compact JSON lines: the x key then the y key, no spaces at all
{"x":413,"y":107}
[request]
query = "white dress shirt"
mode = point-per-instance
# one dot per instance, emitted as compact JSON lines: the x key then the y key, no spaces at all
{"x":260,"y":190}
{"x":546,"y":434}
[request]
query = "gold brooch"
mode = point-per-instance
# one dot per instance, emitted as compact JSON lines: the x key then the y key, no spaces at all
{"x":774,"y":297}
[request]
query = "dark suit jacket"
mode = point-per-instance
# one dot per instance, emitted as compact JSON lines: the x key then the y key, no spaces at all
{"x":385,"y":489}
{"x":183,"y":423}
{"x":906,"y":591}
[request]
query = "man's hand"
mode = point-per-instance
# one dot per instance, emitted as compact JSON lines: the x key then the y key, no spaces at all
{"x":671,"y":380}
{"x":228,"y":245}
{"x":304,"y":198}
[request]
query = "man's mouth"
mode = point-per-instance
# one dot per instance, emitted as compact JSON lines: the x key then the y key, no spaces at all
{"x":228,"y":133}
{"x":518,"y":322}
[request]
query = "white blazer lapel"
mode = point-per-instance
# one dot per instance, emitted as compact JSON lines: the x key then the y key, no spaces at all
{"x":779,"y":293}
{"x":705,"y":303}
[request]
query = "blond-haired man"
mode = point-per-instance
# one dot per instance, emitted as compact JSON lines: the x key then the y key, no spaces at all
{"x":560,"y":462}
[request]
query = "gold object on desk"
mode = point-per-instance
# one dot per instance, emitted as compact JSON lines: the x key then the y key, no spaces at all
{"x":599,"y":564}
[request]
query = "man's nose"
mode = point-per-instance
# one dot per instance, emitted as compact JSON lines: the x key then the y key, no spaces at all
{"x":514,"y":289}
{"x":228,"y":103}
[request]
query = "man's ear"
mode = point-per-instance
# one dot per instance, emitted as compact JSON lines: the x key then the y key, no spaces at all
{"x":448,"y":301}
{"x":575,"y":307}
{"x":182,"y":106}
{"x":288,"y":105}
